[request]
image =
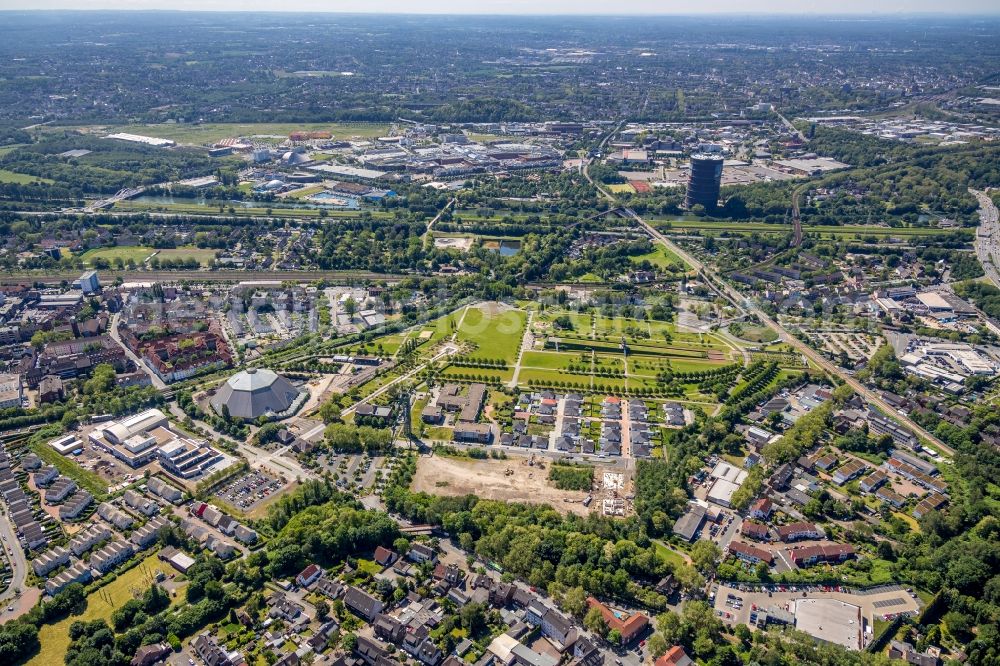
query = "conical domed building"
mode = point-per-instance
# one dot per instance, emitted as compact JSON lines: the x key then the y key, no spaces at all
{"x":255,"y":392}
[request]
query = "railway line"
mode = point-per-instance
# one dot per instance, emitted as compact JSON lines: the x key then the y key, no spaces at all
{"x":31,"y":277}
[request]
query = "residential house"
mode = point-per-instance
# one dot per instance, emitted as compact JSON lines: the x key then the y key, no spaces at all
{"x":831,"y":553}
{"x":111,"y":555}
{"x":50,"y":560}
{"x":309,"y":575}
{"x":799,"y":530}
{"x":362,"y":604}
{"x":420,"y":552}
{"x":88,"y":538}
{"x":75,"y":505}
{"x":748,"y":553}
{"x":675,"y":656}
{"x":761,"y":509}
{"x":385,"y":557}
{"x":629,"y":626}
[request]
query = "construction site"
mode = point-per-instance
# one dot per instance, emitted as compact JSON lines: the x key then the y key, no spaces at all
{"x":522,"y":479}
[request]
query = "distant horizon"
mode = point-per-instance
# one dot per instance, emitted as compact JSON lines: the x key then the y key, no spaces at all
{"x":859,"y":9}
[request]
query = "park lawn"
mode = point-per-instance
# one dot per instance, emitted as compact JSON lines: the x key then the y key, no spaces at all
{"x":757,"y":334}
{"x":580,"y":322}
{"x":669,"y":554}
{"x":549,"y":376}
{"x":485,"y":138}
{"x":621,"y":188}
{"x":54,"y":638}
{"x":481,"y":374}
{"x":89,"y":481}
{"x":496,"y":332}
{"x":549,"y":360}
{"x":441,"y":328}
{"x":22,"y":178}
{"x":642,"y":383}
{"x":688,"y":365}
{"x":389,"y":344}
{"x":209,"y":133}
{"x":416,"y":422}
{"x":661,"y":257}
{"x":202,"y":255}
{"x":611,"y":362}
{"x":137,"y":254}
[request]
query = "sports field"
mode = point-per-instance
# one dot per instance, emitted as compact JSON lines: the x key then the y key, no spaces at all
{"x":136,"y":254}
{"x":139,"y":254}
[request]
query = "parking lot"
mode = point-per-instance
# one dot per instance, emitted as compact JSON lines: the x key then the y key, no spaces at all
{"x":353,"y":471}
{"x":249,"y":490}
{"x":734,"y":605}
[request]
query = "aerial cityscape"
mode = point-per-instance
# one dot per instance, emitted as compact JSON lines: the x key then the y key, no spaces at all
{"x":373,"y":339}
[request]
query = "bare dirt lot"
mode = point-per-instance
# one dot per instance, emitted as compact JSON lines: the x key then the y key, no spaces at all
{"x":488,"y":479}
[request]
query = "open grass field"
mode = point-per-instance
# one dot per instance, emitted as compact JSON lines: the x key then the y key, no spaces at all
{"x":202,"y":255}
{"x":6,"y":149}
{"x":209,"y":133}
{"x":137,"y":254}
{"x":670,"y":555}
{"x":549,"y":360}
{"x":481,"y":374}
{"x":755,"y":333}
{"x":621,"y":188}
{"x":54,"y":638}
{"x":662,"y":257}
{"x":494,"y":329}
{"x":21,"y":178}
{"x":85,"y":478}
{"x":276,"y":210}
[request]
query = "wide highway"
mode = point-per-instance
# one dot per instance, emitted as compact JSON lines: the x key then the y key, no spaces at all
{"x":987,"y":241}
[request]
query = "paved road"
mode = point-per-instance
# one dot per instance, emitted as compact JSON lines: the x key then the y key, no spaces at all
{"x":203,"y":276}
{"x":448,"y":350}
{"x":790,"y":126}
{"x":18,"y":559}
{"x":987,"y":241}
{"x":527,"y":342}
{"x":153,"y":377}
{"x":430,"y":227}
{"x":736,"y":298}
{"x":272,"y":461}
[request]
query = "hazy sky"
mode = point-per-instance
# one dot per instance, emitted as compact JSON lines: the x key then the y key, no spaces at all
{"x":533,"y":6}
